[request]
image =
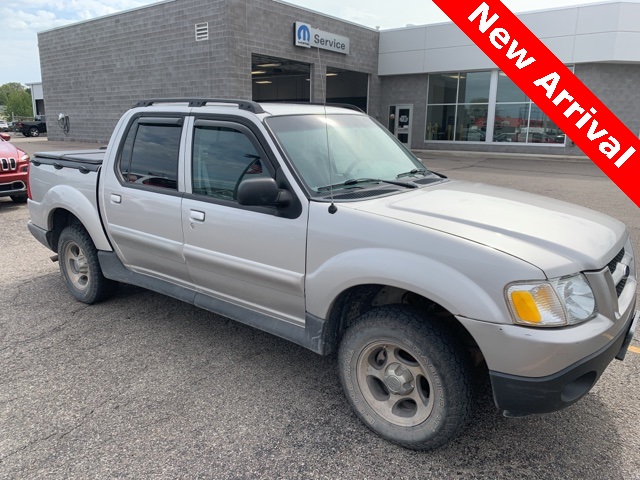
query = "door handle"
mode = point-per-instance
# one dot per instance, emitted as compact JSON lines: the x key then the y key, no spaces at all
{"x":196,"y":216}
{"x":116,"y":198}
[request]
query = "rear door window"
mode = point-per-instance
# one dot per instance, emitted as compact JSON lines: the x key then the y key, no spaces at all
{"x":150,"y":153}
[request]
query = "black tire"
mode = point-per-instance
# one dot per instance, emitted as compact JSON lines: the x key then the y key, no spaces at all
{"x":25,"y":133}
{"x":19,"y":198}
{"x":406,"y":377}
{"x":34,"y":132}
{"x":80,"y":267}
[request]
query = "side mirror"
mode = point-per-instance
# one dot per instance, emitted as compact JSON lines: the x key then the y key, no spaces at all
{"x":5,"y":136}
{"x":262,"y":192}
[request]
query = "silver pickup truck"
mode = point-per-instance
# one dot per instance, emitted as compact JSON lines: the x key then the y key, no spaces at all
{"x":313,"y":223}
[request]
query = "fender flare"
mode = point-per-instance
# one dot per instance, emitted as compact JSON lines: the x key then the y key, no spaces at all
{"x":65,"y":197}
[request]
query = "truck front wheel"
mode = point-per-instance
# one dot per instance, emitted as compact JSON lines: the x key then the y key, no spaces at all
{"x":408,"y":379}
{"x":34,"y":132}
{"x":80,"y":267}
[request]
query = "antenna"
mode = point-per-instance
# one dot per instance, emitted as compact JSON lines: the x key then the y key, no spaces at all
{"x":332,"y":208}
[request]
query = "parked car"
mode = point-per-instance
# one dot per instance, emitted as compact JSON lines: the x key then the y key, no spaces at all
{"x":504,"y":137}
{"x":14,"y":171}
{"x":4,"y":126}
{"x":536,"y":137}
{"x":315,"y":224}
{"x":32,"y":129}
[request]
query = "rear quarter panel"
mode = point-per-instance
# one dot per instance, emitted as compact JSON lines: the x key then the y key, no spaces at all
{"x":70,"y":190}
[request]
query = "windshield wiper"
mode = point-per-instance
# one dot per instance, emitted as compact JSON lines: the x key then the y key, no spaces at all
{"x":356,"y":181}
{"x":415,"y":171}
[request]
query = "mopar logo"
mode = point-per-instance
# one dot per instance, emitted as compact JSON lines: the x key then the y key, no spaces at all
{"x":307,"y":37}
{"x":302,"y":35}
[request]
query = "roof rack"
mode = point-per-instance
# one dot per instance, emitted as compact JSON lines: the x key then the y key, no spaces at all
{"x":248,"y":105}
{"x":340,"y":105}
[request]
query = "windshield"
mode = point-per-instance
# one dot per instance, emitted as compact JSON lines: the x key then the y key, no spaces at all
{"x":329,"y":150}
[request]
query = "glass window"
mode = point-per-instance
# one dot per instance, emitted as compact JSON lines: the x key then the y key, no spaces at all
{"x":443,"y":88}
{"x":222,"y":158}
{"x":458,"y":110}
{"x":511,"y":121}
{"x":542,"y":129}
{"x":509,"y":91}
{"x":472,"y":123}
{"x":150,"y":155}
{"x":457,"y":106}
{"x":441,"y":120}
{"x":335,"y":149}
{"x":474,"y":87}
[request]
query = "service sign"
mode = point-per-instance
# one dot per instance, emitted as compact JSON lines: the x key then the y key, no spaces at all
{"x":307,"y":37}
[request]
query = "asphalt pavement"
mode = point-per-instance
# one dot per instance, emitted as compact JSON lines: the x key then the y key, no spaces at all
{"x":145,"y":386}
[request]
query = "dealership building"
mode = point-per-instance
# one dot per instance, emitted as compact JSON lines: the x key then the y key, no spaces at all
{"x":430,"y":85}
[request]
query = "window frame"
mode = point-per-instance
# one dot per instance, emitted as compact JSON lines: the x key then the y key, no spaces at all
{"x":492,"y":105}
{"x":215,"y":123}
{"x":151,"y":118}
{"x":456,"y":106}
{"x":259,"y":141}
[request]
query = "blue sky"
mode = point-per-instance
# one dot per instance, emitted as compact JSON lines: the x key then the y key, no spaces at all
{"x":21,"y":20}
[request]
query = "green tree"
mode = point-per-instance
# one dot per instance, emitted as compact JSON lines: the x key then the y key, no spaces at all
{"x":16,"y":100}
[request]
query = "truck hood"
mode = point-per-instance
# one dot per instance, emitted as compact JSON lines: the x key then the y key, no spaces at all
{"x":557,"y":237}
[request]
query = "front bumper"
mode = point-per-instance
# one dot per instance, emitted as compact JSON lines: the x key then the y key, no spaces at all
{"x":13,"y":184}
{"x":515,"y":395}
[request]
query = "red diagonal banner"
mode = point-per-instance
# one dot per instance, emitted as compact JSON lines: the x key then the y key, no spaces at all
{"x":552,"y":87}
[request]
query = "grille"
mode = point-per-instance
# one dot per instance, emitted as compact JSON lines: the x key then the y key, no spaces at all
{"x":7,"y":164}
{"x":620,"y":287}
{"x":12,"y":187}
{"x":362,"y":194}
{"x":613,"y":266}
{"x":614,"y":263}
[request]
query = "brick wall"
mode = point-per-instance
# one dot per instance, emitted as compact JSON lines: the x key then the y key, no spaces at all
{"x":94,"y":71}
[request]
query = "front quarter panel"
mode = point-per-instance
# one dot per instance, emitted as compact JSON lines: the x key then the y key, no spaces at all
{"x":352,"y":247}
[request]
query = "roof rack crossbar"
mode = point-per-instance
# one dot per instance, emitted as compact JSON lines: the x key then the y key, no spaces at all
{"x":248,"y":105}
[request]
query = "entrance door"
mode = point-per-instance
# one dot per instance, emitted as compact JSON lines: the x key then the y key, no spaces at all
{"x":401,"y":117}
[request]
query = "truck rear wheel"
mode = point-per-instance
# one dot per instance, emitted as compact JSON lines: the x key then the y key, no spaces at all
{"x":34,"y":132}
{"x":80,"y":267}
{"x":406,"y":378}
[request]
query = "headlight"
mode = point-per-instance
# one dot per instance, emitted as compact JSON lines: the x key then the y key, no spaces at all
{"x":558,"y":302}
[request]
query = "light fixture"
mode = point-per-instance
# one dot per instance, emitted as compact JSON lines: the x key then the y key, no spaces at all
{"x":267,"y":65}
{"x":332,"y":74}
{"x":258,"y":72}
{"x":263,"y":82}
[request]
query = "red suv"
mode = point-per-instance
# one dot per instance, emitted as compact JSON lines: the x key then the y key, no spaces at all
{"x":14,"y":171}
